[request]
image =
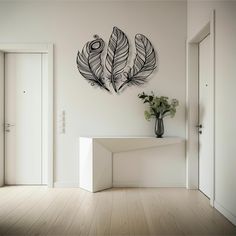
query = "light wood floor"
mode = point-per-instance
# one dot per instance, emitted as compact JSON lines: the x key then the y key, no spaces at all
{"x":118,"y":211}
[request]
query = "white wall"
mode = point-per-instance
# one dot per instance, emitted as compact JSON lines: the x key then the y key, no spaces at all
{"x":89,"y":111}
{"x":1,"y":118}
{"x":199,"y":13}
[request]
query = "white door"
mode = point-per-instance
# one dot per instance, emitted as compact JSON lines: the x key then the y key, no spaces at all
{"x":23,"y":118}
{"x":204,"y":104}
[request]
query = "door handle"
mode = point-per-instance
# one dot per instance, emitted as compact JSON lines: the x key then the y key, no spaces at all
{"x":199,"y":126}
{"x":7,"y":127}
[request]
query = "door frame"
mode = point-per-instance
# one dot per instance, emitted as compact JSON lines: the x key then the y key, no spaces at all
{"x":41,"y":48}
{"x":192,"y":158}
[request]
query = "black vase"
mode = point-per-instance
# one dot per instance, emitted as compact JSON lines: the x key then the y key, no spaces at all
{"x":159,"y":127}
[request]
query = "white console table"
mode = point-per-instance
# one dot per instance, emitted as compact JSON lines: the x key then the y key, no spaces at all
{"x":95,"y":157}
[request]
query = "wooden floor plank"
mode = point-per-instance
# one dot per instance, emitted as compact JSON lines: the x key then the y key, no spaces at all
{"x":136,"y":215}
{"x":161,"y":220}
{"x":14,"y":201}
{"x":9,"y":193}
{"x":101,"y":222}
{"x":49,"y":216}
{"x":67,"y":215}
{"x":83,"y":219}
{"x":21,"y":210}
{"x":119,"y":217}
{"x":23,"y":225}
{"x":37,"y":211}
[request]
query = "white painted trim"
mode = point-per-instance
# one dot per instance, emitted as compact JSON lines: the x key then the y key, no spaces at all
{"x":66,"y":185}
{"x":50,"y":115}
{"x":144,"y":185}
{"x":229,"y":215}
{"x":201,"y":34}
{"x":25,"y":47}
{"x":1,"y":119}
{"x":192,"y":106}
{"x":40,"y":48}
{"x":212,"y":102}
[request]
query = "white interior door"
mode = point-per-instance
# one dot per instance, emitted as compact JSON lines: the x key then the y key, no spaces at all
{"x":204,"y":105}
{"x":23,"y":118}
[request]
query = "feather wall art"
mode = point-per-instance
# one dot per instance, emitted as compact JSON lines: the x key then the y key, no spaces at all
{"x":115,"y":73}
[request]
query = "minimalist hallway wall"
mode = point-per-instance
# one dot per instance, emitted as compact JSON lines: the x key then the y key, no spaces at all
{"x":93,"y":112}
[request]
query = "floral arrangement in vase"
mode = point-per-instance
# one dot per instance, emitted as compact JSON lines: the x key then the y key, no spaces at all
{"x":159,"y":107}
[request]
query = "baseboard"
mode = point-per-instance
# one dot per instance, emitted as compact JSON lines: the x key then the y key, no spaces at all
{"x":191,"y":187}
{"x":225,"y":212}
{"x":66,"y":185}
{"x":124,"y":184}
{"x":146,"y":185}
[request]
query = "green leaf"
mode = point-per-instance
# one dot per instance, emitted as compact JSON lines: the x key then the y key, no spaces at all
{"x":150,"y":98}
{"x":147,"y":115}
{"x":158,"y":106}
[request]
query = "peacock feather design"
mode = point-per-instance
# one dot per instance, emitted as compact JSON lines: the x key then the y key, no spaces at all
{"x":116,"y":74}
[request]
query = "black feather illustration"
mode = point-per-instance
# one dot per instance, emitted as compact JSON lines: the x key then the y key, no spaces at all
{"x":117,"y":56}
{"x":89,"y":63}
{"x":144,"y":63}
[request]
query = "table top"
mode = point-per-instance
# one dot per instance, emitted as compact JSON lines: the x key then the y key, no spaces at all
{"x":122,"y":144}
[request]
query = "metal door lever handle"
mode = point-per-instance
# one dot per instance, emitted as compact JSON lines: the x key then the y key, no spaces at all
{"x":7,"y":125}
{"x":199,"y":126}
